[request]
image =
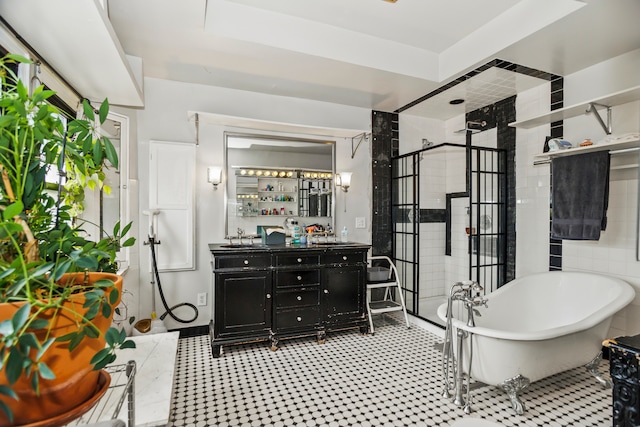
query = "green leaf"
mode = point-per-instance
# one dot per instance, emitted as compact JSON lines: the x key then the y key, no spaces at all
{"x":97,"y":152}
{"x":106,"y":310}
{"x":13,"y":368}
{"x":128,"y":344}
{"x":77,"y":339}
{"x":7,"y":272}
{"x":7,"y":411}
{"x":35,"y":384}
{"x":112,"y":336}
{"x":42,"y":270}
{"x":45,"y":372}
{"x":112,"y":154}
{"x":43,"y":349}
{"x":113,"y":296}
{"x":14,"y":209}
{"x":67,"y":337}
{"x":92,"y":312}
{"x":20,"y":317}
{"x":18,"y":58}
{"x":129,"y":242}
{"x":6,"y":327}
{"x":103,"y":283}
{"x":104,"y":110}
{"x":100,"y":356}
{"x":39,"y":324}
{"x":88,"y":110}
{"x":5,"y":390}
{"x":28,"y":341}
{"x":92,"y":331}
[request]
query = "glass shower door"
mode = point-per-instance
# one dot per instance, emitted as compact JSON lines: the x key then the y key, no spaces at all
{"x":406,"y":222}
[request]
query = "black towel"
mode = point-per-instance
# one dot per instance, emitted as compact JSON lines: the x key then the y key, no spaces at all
{"x":580,"y":195}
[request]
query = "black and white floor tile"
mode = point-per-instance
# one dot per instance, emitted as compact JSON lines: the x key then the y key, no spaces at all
{"x":392,"y":378}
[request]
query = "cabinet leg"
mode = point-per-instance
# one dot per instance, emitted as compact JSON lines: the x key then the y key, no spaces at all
{"x":364,"y":329}
{"x":274,"y":344}
{"x":322,"y":337}
{"x":216,"y":350}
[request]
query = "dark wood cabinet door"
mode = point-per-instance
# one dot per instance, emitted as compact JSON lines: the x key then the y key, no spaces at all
{"x":243,"y":303}
{"x":342,"y":293}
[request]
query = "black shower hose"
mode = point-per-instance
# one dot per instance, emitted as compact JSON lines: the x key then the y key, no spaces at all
{"x":152,"y":243}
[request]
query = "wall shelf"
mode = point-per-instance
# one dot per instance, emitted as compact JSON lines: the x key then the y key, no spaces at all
{"x":616,"y":98}
{"x":625,"y":145}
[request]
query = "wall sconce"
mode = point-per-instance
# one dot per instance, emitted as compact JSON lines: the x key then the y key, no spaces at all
{"x":214,"y":176}
{"x":343,"y":180}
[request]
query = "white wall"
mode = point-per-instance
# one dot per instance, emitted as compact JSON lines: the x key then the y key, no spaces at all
{"x":615,"y":253}
{"x":165,"y":118}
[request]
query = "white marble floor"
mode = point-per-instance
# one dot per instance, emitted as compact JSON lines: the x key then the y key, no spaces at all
{"x":155,"y":357}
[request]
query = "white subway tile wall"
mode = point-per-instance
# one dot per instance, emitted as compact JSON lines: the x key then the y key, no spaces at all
{"x":615,"y":253}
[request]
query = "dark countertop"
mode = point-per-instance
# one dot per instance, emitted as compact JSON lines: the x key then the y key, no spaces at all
{"x":226,"y":248}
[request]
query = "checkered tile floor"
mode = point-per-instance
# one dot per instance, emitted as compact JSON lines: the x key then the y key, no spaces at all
{"x":392,"y":378}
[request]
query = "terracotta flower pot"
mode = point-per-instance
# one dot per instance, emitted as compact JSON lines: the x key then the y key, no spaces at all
{"x":75,"y":382}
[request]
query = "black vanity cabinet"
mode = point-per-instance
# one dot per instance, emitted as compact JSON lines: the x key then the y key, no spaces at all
{"x":297,"y":296}
{"x":242,"y":295}
{"x":276,"y":292}
{"x":343,"y":297}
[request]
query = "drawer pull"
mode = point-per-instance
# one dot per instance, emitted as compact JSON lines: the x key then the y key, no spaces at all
{"x":299,"y":277}
{"x":268,"y":296}
{"x":246,"y":262}
{"x":344,"y":257}
{"x":299,"y":298}
{"x":326,"y":291}
{"x":299,"y":319}
{"x":299,"y":259}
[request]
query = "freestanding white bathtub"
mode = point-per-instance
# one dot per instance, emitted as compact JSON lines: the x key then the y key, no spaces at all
{"x":539,"y":325}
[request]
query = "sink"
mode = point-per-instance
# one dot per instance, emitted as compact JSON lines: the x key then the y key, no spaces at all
{"x":242,"y":246}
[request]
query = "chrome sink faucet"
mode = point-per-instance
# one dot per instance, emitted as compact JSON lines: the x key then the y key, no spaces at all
{"x":240,"y":234}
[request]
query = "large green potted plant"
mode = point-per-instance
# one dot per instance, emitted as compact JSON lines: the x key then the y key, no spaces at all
{"x":57,"y":289}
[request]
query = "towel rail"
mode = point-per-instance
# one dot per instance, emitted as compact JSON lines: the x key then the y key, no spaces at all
{"x":612,"y":152}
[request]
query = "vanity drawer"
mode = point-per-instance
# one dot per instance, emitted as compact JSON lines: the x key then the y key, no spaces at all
{"x":244,"y":261}
{"x":340,"y":257}
{"x":301,"y":317}
{"x":297,"y":259}
{"x":297,"y":277}
{"x":298,"y":297}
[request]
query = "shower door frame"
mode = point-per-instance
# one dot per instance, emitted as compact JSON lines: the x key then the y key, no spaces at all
{"x":410,"y":210}
{"x":408,"y":264}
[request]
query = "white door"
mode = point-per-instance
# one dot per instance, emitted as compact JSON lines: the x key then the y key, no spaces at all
{"x":172,"y":193}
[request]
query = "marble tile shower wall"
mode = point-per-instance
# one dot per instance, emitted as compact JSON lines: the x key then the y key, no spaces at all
{"x":615,"y":253}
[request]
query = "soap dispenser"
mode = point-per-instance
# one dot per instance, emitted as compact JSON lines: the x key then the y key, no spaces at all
{"x":344,"y":236}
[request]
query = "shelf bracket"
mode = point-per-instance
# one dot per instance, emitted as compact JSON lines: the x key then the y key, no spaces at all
{"x":197,"y":121}
{"x":361,"y":137}
{"x":592,"y":109}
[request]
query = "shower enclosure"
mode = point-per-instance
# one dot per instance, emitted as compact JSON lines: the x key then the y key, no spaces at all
{"x":449,"y":212}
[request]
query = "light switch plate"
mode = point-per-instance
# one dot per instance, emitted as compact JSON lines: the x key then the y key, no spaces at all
{"x":360,"y":222}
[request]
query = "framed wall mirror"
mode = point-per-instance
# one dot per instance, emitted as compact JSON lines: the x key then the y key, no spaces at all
{"x":271,"y":181}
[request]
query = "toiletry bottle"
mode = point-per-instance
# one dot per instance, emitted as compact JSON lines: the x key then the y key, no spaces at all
{"x":344,"y":236}
{"x":296,"y":232}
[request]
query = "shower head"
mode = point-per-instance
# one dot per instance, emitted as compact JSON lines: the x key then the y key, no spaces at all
{"x":473,"y":127}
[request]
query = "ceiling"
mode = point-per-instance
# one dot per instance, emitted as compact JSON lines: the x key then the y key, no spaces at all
{"x":364,"y":53}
